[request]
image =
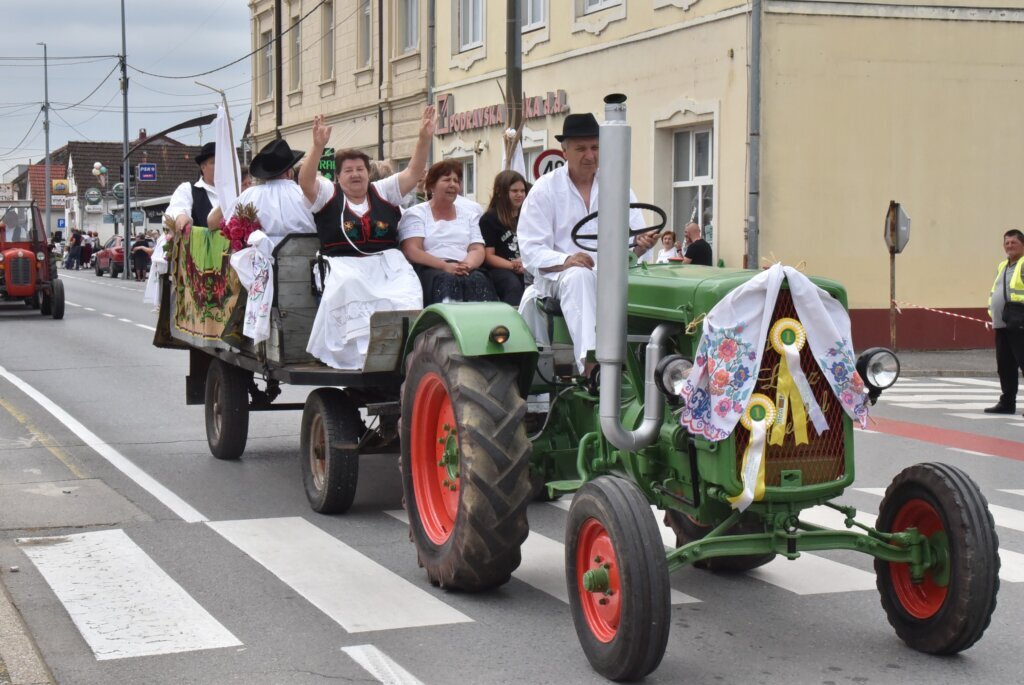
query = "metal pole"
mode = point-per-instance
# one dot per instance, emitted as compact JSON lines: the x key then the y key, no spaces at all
{"x":892,"y":217}
{"x":513,"y":76}
{"x":46,"y":131}
{"x":754,"y":138}
{"x":126,"y":173}
{"x":380,"y":80}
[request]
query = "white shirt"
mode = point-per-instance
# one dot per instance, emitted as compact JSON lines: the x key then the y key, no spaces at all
{"x":443,"y":239}
{"x":388,"y":188}
{"x":281,"y":207}
{"x":552,"y":208}
{"x":665,"y":255}
{"x":181,"y":200}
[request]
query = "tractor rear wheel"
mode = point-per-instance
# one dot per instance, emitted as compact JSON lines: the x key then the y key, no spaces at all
{"x":617,"y":579}
{"x":57,"y":298}
{"x":227,"y":409}
{"x":465,"y":463}
{"x":950,"y":609}
{"x":331,"y":430}
{"x":687,"y":530}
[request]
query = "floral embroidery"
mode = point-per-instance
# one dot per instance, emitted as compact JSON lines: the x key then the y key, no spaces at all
{"x":841,"y":372}
{"x":726,"y":358}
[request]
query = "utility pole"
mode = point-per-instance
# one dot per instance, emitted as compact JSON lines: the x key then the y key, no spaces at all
{"x":126,"y":164}
{"x":513,"y":76}
{"x":46,"y":131}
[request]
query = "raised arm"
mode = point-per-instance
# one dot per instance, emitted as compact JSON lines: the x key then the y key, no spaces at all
{"x":307,"y":173}
{"x":411,"y":175}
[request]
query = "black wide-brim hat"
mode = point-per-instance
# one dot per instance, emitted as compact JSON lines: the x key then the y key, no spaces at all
{"x":273,"y":160}
{"x":205,"y":152}
{"x":579,"y":126}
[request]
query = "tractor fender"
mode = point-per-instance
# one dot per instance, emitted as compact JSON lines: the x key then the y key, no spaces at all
{"x":471,"y":323}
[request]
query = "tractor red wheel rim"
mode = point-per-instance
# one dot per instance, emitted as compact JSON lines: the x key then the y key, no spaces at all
{"x":434,"y":449}
{"x":602,"y":609}
{"x":921,"y":600}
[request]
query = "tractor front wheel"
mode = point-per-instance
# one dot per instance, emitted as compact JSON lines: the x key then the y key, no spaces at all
{"x":617,"y":579}
{"x":57,"y":298}
{"x":465,"y":463}
{"x":687,"y":530}
{"x":331,"y":430}
{"x":949,"y":609}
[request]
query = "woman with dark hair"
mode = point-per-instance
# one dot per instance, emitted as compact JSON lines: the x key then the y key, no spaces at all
{"x":498,"y":227}
{"x":441,"y":238}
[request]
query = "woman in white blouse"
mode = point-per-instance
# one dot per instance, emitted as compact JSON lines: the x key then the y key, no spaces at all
{"x":442,"y":240}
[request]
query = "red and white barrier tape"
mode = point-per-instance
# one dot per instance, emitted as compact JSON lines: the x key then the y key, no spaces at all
{"x":939,"y":311}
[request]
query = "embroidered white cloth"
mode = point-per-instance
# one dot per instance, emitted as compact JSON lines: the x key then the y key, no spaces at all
{"x":255,"y":268}
{"x":355,"y":288}
{"x":157,"y":267}
{"x":729,"y":354}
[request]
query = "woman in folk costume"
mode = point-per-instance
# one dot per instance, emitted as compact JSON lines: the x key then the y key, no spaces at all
{"x":357,"y":222}
{"x":442,"y":238}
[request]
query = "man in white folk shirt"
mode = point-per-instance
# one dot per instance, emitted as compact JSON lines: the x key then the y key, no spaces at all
{"x":280,"y":204}
{"x":192,"y":203}
{"x":556,"y":202}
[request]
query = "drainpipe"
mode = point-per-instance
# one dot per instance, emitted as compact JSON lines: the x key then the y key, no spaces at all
{"x":431,"y":7}
{"x":278,"y":66}
{"x":754,"y":138}
{"x":612,"y":285}
{"x":380,"y":79}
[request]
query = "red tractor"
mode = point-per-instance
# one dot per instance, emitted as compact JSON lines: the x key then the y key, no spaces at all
{"x":28,"y":269}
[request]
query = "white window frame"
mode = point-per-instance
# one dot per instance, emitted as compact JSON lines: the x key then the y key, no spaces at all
{"x":407,"y":33}
{"x":591,"y":6}
{"x":327,"y":41}
{"x":531,"y":22}
{"x":265,"y":61}
{"x":364,"y":34}
{"x":695,"y":181}
{"x":295,"y":54}
{"x":477,"y":10}
{"x":469,"y":169}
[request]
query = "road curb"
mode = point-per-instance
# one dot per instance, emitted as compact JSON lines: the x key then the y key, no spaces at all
{"x":948,"y":373}
{"x":20,"y":661}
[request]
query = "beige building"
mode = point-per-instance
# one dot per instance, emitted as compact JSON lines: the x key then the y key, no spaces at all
{"x":861,"y":103}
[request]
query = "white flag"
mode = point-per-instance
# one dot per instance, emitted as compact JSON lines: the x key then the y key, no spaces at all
{"x":518,"y":161}
{"x":226,"y":175}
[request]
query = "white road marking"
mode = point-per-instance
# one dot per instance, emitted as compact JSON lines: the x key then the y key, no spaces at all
{"x":1004,"y":517}
{"x":380,"y":665}
{"x":813,"y":575}
{"x":543,"y":565}
{"x":148,"y":328}
{"x":929,"y":388}
{"x":971,"y":452}
{"x":71,"y":304}
{"x":974,"y":381}
{"x":90,"y":309}
{"x":122,"y":602}
{"x":1014,"y":492}
{"x":126,"y":320}
{"x":109,"y":316}
{"x":1011,"y":567}
{"x":956,"y":394}
{"x":940,"y":405}
{"x":355,"y":591}
{"x":116,"y":459}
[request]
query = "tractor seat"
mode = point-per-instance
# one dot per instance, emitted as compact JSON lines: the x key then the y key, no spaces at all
{"x":551,"y":306}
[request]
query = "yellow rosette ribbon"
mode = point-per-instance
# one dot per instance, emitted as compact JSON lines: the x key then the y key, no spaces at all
{"x":793,"y":392}
{"x":760,"y":414}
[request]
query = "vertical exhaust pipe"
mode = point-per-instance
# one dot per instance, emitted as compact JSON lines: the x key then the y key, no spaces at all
{"x":612,"y":282}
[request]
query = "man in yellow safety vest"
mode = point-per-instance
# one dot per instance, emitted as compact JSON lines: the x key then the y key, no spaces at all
{"x":1006,"y":307}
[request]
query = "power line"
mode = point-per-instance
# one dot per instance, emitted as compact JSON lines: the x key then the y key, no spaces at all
{"x":38,"y":64}
{"x":21,"y":58}
{"x":93,"y":92}
{"x":30,"y":127}
{"x":57,"y":114}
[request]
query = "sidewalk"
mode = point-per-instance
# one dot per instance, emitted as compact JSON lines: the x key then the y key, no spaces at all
{"x":976,"y":363}
{"x":20,"y":663}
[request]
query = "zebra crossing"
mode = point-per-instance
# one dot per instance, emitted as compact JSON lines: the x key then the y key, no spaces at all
{"x":125,"y":605}
{"x":963,"y":398}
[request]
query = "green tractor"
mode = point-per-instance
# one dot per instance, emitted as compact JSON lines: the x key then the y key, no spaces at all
{"x":474,"y":454}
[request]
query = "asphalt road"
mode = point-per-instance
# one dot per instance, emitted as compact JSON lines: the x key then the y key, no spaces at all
{"x":223,"y":574}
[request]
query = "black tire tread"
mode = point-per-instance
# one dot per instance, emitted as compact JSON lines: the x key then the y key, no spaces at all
{"x":491,"y":525}
{"x":343,"y":423}
{"x":235,"y":425}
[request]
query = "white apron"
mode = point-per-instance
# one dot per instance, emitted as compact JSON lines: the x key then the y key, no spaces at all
{"x":354,"y":289}
{"x":255,"y":268}
{"x":157,"y":267}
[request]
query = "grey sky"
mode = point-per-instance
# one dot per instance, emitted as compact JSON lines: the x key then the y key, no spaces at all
{"x":177,"y":37}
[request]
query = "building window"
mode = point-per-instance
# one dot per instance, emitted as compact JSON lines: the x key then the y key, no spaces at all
{"x":408,"y":38}
{"x":533,"y":14}
{"x":295,"y":54}
{"x":468,"y":177}
{"x":471,"y":23}
{"x":693,"y":181}
{"x":365,"y":34}
{"x":327,"y":41}
{"x":596,"y":5}
{"x":266,"y":65}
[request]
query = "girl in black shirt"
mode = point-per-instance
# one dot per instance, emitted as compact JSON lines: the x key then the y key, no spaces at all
{"x":498,"y":227}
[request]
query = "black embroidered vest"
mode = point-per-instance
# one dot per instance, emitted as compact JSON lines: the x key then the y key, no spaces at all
{"x":201,"y":206}
{"x":375,"y":231}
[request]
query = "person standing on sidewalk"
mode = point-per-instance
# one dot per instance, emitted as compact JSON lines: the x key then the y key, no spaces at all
{"x":1006,"y":307}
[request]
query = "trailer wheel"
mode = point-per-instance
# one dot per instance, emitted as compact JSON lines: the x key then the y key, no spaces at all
{"x":57,"y":298}
{"x":465,"y":464}
{"x":227,"y":410}
{"x":331,"y":430}
{"x":617,"y":579}
{"x":687,"y":530}
{"x":950,"y":609}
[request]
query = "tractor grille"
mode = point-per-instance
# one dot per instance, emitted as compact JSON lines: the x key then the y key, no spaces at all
{"x":19,"y":271}
{"x":822,"y":459}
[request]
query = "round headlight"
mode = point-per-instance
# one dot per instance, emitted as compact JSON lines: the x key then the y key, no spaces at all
{"x":671,"y":373}
{"x":879,"y":367}
{"x":40,"y":256}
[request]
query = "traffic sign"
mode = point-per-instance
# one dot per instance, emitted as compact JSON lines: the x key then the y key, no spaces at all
{"x":147,"y":172}
{"x":546,"y":161}
{"x":62,"y":223}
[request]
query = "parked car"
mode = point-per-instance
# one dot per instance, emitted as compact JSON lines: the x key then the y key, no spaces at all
{"x":110,"y":257}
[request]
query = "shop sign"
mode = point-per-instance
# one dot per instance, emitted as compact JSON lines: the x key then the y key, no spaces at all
{"x":327,"y":166}
{"x":450,"y":121}
{"x":93,"y":209}
{"x":93,"y":196}
{"x":59,"y":186}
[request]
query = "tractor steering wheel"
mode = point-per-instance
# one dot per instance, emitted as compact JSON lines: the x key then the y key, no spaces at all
{"x":633,"y":232}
